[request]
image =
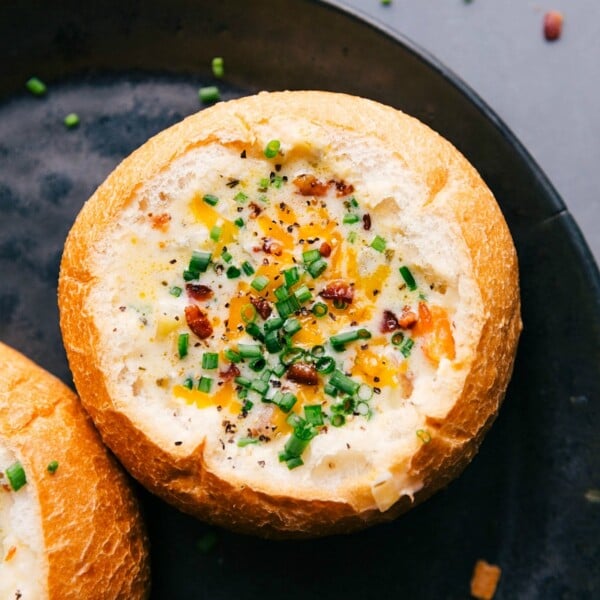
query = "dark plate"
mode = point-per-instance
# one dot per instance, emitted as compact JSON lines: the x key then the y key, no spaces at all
{"x":132,"y":68}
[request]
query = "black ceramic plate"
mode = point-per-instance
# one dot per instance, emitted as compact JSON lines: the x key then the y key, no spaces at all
{"x":129,"y":69}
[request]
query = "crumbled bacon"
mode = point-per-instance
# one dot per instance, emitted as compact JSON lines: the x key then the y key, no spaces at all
{"x":262,"y":306}
{"x":408,"y":319}
{"x":198,"y":321}
{"x":302,"y":372}
{"x":389,"y":323}
{"x":271,"y":246}
{"x":338,"y":289}
{"x":341,"y":188}
{"x":366,"y":221}
{"x":325,"y":249}
{"x":309,"y":185}
{"x":255,"y":210}
{"x":197,"y":291}
{"x":231,"y":373}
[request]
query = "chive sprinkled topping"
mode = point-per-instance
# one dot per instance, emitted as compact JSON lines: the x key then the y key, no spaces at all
{"x":209,"y":94}
{"x":182,"y":344}
{"x":247,"y":268}
{"x":210,"y":360}
{"x":175,"y":291}
{"x":408,"y":278}
{"x":319,"y":309}
{"x":378,"y":243}
{"x":205,"y":384}
{"x":217,"y":67}
{"x":71,"y":120}
{"x":36,"y":86}
{"x":52,"y":466}
{"x":210,"y":199}
{"x":16,"y":476}
{"x":260,"y":282}
{"x":272,"y":148}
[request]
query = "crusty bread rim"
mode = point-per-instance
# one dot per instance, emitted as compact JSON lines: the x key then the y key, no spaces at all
{"x":95,"y":541}
{"x":184,"y":480}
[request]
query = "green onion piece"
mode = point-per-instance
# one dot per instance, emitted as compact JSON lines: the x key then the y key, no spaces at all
{"x":330,"y":390}
{"x":340,"y":304}
{"x":343,"y":383}
{"x":266,"y":374}
{"x":247,"y":268}
{"x":205,"y":384}
{"x":365,"y":392}
{"x":292,"y":326}
{"x":52,"y":466}
{"x":249,"y":350}
{"x":272,"y":343}
{"x":263,"y":184}
{"x":303,"y":293}
{"x":294,"y":462}
{"x":295,"y":421}
{"x":317,"y":351}
{"x":232,"y":355}
{"x":182,"y":344}
{"x":207,"y":542}
{"x":272,"y":148}
{"x":281,"y":293}
{"x":277,"y":181}
{"x":275,"y":398}
{"x":209,"y":94}
{"x":239,"y":222}
{"x":175,"y":291}
{"x":397,"y":338}
{"x":243,"y":381}
{"x":378,"y":244}
{"x":313,"y":414}
{"x":295,"y":446}
{"x":243,"y":442}
{"x":362,"y":408}
{"x":190,"y":275}
{"x":188,"y":383}
{"x":317,"y":267}
{"x":408,"y":278}
{"x":240,"y":197}
{"x":291,"y":276}
{"x":310,"y":256}
{"x":260,"y":283}
{"x":210,"y":360}
{"x":210,"y":199}
{"x":350,"y":336}
{"x":352,"y":237}
{"x":353,"y":202}
{"x":279,"y":369}
{"x":350,"y":219}
{"x":291,"y":355}
{"x":215,"y":233}
{"x":36,"y":86}
{"x":407,"y":347}
{"x":273,"y":324}
{"x":199,"y":261}
{"x":287,"y":307}
{"x":424,"y":435}
{"x":242,"y":393}
{"x":255,"y":331}
{"x":227,"y":257}
{"x":319,"y":309}
{"x":257,"y":364}
{"x":337,"y":420}
{"x":233,"y":272}
{"x":248,"y":313}
{"x":325,"y":365}
{"x":71,"y":120}
{"x":259,"y":386}
{"x":287,"y":402}
{"x":217,"y":67}
{"x":16,"y":476}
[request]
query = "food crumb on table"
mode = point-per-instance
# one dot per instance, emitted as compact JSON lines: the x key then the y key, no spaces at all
{"x":484,"y":580}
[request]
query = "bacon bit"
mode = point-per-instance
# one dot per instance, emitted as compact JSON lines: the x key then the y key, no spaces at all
{"x":197,"y":291}
{"x":484,"y":580}
{"x":160,"y":221}
{"x":198,"y":321}
{"x":11,"y":552}
{"x":553,"y":22}
{"x":408,"y":318}
{"x":263,"y":307}
{"x":256,"y":210}
{"x":231,"y":372}
{"x":325,"y":249}
{"x":366,"y":221}
{"x":271,"y":246}
{"x":309,"y":185}
{"x":302,"y":372}
{"x":338,"y":289}
{"x":341,"y":188}
{"x":389,"y":323}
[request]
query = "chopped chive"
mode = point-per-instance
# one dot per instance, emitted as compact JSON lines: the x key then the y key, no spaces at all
{"x":295,"y":445}
{"x":291,"y":276}
{"x":317,"y":267}
{"x":325,"y":365}
{"x":272,"y":148}
{"x":277,"y":181}
{"x":313,"y":414}
{"x":16,"y":476}
{"x":362,"y":408}
{"x":303,"y":293}
{"x":257,"y":364}
{"x":36,"y":86}
{"x":205,"y":384}
{"x":52,"y":466}
{"x":319,"y":309}
{"x":209,"y":94}
{"x":353,"y":202}
{"x":340,"y":304}
{"x":294,"y":462}
{"x":344,"y":383}
{"x":350,"y":218}
{"x":255,"y":331}
{"x":310,"y":256}
{"x":182,"y":344}
{"x":240,"y":197}
{"x":272,"y":343}
{"x":365,"y":392}
{"x":243,"y":442}
{"x":248,"y":313}
{"x":249,"y":350}
{"x":71,"y":120}
{"x":226,"y":256}
{"x":337,"y":420}
{"x":260,"y":282}
{"x":291,"y":355}
{"x":287,"y":402}
{"x":397,"y":338}
{"x":175,"y":291}
{"x":266,"y":375}
{"x":242,"y":392}
{"x":233,"y":272}
{"x":317,"y":351}
{"x":215,"y":233}
{"x":407,"y":347}
{"x":263,"y":185}
{"x":352,"y":237}
{"x":378,"y":243}
{"x":279,"y":369}
{"x":207,"y":542}
{"x":259,"y":386}
{"x":217,"y":67}
{"x":188,"y":383}
{"x":190,"y":275}
{"x":330,"y":390}
{"x":408,"y":278}
{"x":247,"y":268}
{"x":273,"y":324}
{"x":424,"y":435}
{"x":210,"y":360}
{"x":232,"y":355}
{"x":281,"y":293}
{"x":292,"y":326}
{"x":199,"y":261}
{"x":287,"y":307}
{"x":242,"y":381}
{"x":210,"y":199}
{"x":239,"y":222}
{"x":350,"y":336}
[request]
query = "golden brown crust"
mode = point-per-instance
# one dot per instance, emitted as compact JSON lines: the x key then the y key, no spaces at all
{"x":95,"y":542}
{"x":184,"y":480}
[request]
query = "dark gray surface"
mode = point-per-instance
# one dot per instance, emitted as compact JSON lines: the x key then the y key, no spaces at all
{"x":547,"y":93}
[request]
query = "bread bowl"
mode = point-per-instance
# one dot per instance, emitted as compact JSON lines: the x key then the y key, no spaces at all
{"x":284,"y":251}
{"x":69,"y":523}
